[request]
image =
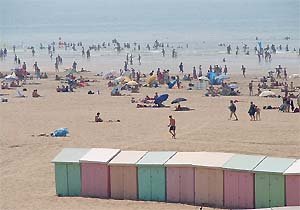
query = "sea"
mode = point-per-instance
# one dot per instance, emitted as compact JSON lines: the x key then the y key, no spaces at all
{"x":199,"y":23}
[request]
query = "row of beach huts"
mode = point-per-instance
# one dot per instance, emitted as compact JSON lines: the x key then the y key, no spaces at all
{"x":212,"y":179}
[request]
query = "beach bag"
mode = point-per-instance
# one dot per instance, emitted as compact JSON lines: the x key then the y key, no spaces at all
{"x":61,"y":132}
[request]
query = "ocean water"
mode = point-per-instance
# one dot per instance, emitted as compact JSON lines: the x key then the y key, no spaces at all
{"x":176,"y":21}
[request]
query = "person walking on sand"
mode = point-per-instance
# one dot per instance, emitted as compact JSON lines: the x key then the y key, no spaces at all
{"x":172,"y":127}
{"x":181,"y":68}
{"x":232,"y":108}
{"x":244,"y":71}
{"x":252,"y":111}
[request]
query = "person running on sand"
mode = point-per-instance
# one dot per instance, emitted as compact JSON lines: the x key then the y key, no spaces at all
{"x":232,"y":109}
{"x":172,"y":127}
{"x":97,"y":118}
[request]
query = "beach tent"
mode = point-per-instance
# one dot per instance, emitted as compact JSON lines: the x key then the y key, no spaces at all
{"x":203,"y":83}
{"x":180,"y":178}
{"x":211,"y":76}
{"x":11,"y":77}
{"x":209,"y":178}
{"x":292,"y":184}
{"x":152,"y":176}
{"x":95,"y":178}
{"x":67,"y":171}
{"x":123,"y":175}
{"x":269,"y":182}
{"x":239,"y":181}
{"x":267,"y":93}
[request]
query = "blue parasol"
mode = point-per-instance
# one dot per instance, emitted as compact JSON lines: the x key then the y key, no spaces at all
{"x":161,"y":98}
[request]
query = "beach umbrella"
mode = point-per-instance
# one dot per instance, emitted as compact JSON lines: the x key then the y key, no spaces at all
{"x":171,"y":84}
{"x":221,"y":77}
{"x":161,"y":98}
{"x":203,"y":78}
{"x":11,"y":77}
{"x":119,"y":79}
{"x":267,"y":93}
{"x":233,"y":86}
{"x":178,"y":100}
{"x":294,"y":76}
{"x":132,"y":83}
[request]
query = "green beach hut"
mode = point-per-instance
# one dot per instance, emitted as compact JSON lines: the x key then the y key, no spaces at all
{"x":67,"y":171}
{"x":152,"y":176}
{"x":269,"y":182}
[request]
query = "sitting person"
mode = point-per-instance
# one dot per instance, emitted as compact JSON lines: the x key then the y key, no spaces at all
{"x":58,"y":89}
{"x":57,"y":77}
{"x":178,"y":108}
{"x":4,"y":86}
{"x":35,"y":94}
{"x":97,"y":118}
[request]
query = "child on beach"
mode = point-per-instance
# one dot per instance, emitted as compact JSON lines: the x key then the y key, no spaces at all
{"x":257,"y":113}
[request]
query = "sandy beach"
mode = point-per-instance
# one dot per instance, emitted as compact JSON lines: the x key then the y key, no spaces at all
{"x":27,"y":176}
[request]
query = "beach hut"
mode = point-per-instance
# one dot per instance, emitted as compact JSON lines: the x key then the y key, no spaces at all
{"x":269,"y":182}
{"x":181,"y":178}
{"x":123,"y":175}
{"x":152,"y":176}
{"x":239,"y":181}
{"x":95,"y":177}
{"x":67,"y":171}
{"x":292,"y":184}
{"x":209,"y":178}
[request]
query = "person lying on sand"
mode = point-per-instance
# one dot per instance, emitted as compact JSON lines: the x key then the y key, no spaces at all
{"x":98,"y":119}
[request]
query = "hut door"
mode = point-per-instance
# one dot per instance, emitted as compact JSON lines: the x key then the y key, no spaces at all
{"x":130,"y":185}
{"x":201,"y":185}
{"x":74,"y":179}
{"x":187,"y":185}
{"x":117,"y":182}
{"x":293,"y":190}
{"x":158,"y":184}
{"x":276,"y":190}
{"x":144,"y":179}
{"x":246,"y":190}
{"x":231,"y":189}
{"x":61,"y":179}
{"x":262,"y":190}
{"x":173,"y":189}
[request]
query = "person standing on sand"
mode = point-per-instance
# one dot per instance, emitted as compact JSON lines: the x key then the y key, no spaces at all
{"x":244,"y":71}
{"x":172,"y":127}
{"x":251,"y":88}
{"x":232,"y":108}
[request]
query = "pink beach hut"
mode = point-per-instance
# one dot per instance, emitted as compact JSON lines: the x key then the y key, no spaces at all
{"x":123,"y":175}
{"x":292,"y":184}
{"x":95,"y":179}
{"x":209,"y":178}
{"x":239,"y":181}
{"x":181,"y":178}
